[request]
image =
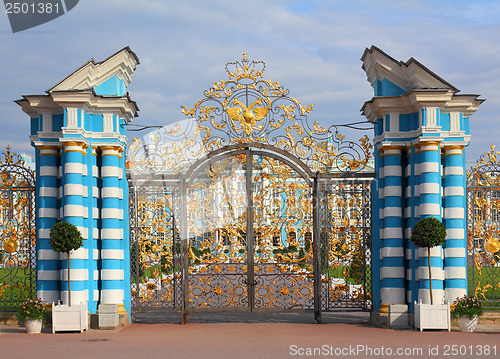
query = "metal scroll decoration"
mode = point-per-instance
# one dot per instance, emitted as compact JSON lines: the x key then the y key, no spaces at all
{"x":17,"y":232}
{"x":247,"y":108}
{"x":483,"y":229}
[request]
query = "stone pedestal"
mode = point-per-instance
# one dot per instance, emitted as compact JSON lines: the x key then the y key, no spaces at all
{"x":398,"y":316}
{"x":108,"y":316}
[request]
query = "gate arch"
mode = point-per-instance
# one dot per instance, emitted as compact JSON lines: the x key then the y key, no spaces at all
{"x":248,"y":128}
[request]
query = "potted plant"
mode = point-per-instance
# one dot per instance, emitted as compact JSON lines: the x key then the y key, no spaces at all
{"x":64,"y":238}
{"x":467,"y":311}
{"x":430,"y":232}
{"x":32,"y":313}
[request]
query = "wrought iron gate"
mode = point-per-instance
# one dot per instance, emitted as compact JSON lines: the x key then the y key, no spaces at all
{"x":483,"y":229}
{"x":17,"y":233}
{"x":247,"y":206}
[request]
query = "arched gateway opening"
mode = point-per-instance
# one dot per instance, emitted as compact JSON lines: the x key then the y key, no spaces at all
{"x":246,"y":206}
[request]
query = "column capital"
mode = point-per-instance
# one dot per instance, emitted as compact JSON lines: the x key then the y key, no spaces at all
{"x":110,"y":150}
{"x":453,"y":150}
{"x":75,"y":146}
{"x":390,"y":150}
{"x":48,"y":150}
{"x":427,"y":146}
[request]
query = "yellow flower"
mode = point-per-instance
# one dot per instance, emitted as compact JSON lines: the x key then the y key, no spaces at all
{"x":493,"y":245}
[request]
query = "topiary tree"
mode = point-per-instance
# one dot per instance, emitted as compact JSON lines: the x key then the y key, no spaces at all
{"x":428,"y":232}
{"x":65,"y":237}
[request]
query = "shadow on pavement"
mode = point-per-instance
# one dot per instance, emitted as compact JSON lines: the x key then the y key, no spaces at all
{"x":153,"y":317}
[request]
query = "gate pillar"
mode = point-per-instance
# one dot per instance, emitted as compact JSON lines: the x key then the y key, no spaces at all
{"x":78,"y":131}
{"x":421,"y":129}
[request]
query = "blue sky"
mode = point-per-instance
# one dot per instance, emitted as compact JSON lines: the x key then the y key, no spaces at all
{"x":312,"y":47}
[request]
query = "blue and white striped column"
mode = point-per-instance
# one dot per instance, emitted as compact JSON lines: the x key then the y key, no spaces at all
{"x":412,"y":196}
{"x":75,"y":212}
{"x":392,"y":252}
{"x":48,"y":194}
{"x":377,"y":195}
{"x":112,"y":253}
{"x":430,"y":205}
{"x":455,"y":252}
{"x":94,"y":194}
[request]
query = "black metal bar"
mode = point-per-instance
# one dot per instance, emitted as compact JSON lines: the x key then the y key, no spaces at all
{"x":184,"y":255}
{"x":250,"y":237}
{"x":316,"y":252}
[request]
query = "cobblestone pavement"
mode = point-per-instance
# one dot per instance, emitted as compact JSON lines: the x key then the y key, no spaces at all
{"x":244,"y":335}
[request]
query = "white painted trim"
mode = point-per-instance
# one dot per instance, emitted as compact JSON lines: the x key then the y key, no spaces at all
{"x":455,"y":233}
{"x":453,"y":170}
{"x":409,"y":273}
{"x":455,"y":273}
{"x":47,"y":255}
{"x":392,"y":191}
{"x":392,"y":272}
{"x":75,"y":210}
{"x":111,"y":171}
{"x":437,"y":273}
{"x":454,"y":213}
{"x":432,"y":188}
{"x":111,"y":192}
{"x":430,"y":209}
{"x":112,"y":213}
{"x":49,"y":192}
{"x":112,"y":254}
{"x":429,"y":167}
{"x":112,"y":233}
{"x":49,"y":296}
{"x":392,"y":252}
{"x":47,"y":212}
{"x":75,"y":190}
{"x":435,"y":252}
{"x":72,"y":167}
{"x":112,"y":296}
{"x":392,"y":212}
{"x":455,"y":124}
{"x":49,"y":275}
{"x":51,"y":171}
{"x":437,"y":295}
{"x":111,"y":274}
{"x":76,"y":275}
{"x":455,"y":253}
{"x":392,"y":295}
{"x":381,"y":193}
{"x":408,"y":254}
{"x":450,"y":294}
{"x":453,"y":191}
{"x":393,"y":233}
{"x":393,"y":171}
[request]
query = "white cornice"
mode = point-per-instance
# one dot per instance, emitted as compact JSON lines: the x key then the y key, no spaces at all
{"x":414,"y":101}
{"x":409,"y":75}
{"x":91,"y":74}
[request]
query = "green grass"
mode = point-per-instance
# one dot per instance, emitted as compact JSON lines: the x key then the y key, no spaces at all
{"x":491,"y":278}
{"x":13,"y":288}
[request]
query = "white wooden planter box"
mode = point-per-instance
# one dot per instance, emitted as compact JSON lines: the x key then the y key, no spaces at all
{"x":432,"y":316}
{"x":65,"y":318}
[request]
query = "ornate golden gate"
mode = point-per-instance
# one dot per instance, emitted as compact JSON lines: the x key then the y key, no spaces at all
{"x":17,"y":233}
{"x":483,"y":229}
{"x":247,"y":206}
